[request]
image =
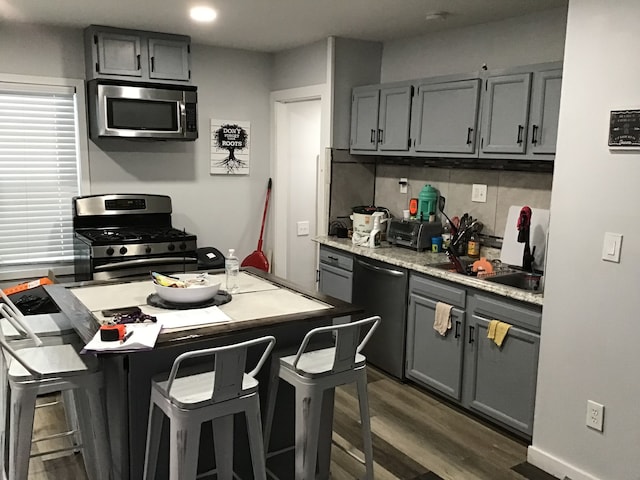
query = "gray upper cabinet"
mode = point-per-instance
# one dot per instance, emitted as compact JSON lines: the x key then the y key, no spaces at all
{"x":380,"y":118}
{"x":505,"y":114}
{"x":113,"y":53}
{"x":118,"y":54}
{"x":520,"y":113}
{"x":169,"y":59}
{"x":445,"y":117}
{"x":365,"y":104}
{"x":545,"y":110}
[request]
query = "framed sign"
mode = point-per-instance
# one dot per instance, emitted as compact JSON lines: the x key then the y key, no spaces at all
{"x":230,"y":147}
{"x":624,"y":128}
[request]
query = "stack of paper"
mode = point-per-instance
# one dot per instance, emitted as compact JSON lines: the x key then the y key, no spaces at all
{"x":143,"y":337}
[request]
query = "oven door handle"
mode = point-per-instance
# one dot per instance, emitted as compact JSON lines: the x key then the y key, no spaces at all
{"x":144,"y":262}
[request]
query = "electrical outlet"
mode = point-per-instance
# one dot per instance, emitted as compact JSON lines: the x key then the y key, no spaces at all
{"x":303,"y":228}
{"x":403,"y":185}
{"x":479,"y":193}
{"x":595,"y":415}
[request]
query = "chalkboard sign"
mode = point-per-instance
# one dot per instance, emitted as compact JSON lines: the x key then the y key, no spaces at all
{"x":624,"y":128}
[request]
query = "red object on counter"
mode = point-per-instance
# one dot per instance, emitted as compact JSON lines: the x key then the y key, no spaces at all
{"x":413,"y":207}
{"x":112,"y":333}
{"x":524,"y":219}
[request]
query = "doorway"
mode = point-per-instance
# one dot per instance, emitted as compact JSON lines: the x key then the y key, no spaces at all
{"x":298,"y":166}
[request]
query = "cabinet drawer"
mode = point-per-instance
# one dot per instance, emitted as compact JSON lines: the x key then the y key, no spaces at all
{"x":336,"y":258}
{"x":438,"y":290}
{"x":493,"y":308}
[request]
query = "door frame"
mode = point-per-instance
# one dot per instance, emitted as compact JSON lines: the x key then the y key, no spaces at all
{"x":279,"y":170}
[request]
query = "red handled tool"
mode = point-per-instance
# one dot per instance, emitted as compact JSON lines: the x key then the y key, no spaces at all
{"x":258,"y":259}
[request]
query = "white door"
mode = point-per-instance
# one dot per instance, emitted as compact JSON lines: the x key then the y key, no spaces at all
{"x":298,"y":188}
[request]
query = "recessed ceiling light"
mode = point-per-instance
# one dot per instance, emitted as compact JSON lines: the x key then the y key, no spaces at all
{"x":203,"y":14}
{"x":436,"y":16}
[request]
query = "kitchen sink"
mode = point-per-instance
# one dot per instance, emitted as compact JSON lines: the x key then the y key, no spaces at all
{"x":522,"y":280}
{"x":443,"y":266}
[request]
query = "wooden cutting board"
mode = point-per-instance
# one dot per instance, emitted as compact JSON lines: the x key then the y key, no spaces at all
{"x":511,"y":252}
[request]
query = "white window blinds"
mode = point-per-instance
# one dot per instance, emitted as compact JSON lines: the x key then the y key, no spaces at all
{"x":38,"y":173}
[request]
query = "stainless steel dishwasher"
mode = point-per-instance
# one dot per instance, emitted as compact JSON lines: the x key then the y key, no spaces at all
{"x":381,"y":289}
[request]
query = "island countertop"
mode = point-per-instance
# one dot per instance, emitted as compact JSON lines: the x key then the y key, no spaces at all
{"x":262,"y":300}
{"x":421,"y":261}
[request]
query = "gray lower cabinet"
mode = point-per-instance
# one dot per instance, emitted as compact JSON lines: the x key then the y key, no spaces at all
{"x":501,"y":383}
{"x":435,"y":360}
{"x":335,"y":276}
{"x":496,"y":382}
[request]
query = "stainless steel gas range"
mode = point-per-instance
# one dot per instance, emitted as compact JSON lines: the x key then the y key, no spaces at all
{"x":121,"y":235}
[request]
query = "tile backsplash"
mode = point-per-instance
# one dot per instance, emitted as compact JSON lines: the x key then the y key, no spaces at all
{"x":351,"y":180}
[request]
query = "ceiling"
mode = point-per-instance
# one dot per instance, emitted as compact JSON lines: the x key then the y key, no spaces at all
{"x":273,"y":25}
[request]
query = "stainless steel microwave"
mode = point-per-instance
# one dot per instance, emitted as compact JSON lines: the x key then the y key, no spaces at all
{"x":144,"y":111}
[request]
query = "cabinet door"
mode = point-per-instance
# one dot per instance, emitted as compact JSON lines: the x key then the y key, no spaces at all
{"x":432,"y":359}
{"x":503,"y":380}
{"x":365,"y":105}
{"x":118,"y":54}
{"x":336,"y":282}
{"x":545,"y":110}
{"x":394,"y":118}
{"x":447,"y":116}
{"x":169,"y":59}
{"x":505,"y":114}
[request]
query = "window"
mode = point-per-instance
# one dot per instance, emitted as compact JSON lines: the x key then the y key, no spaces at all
{"x":39,"y":172}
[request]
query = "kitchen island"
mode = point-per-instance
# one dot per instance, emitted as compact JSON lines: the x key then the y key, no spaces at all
{"x":264,"y":305}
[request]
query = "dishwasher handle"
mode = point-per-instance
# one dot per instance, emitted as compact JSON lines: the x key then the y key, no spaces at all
{"x":375,"y":268}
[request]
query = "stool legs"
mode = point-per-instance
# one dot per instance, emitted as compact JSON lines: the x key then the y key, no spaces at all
{"x":326,"y":431}
{"x":91,"y":419}
{"x":254,"y":430}
{"x":223,"y":445}
{"x":156,"y":417}
{"x":272,"y":394}
{"x":308,"y":413}
{"x":184,"y":445}
{"x":366,"y":423}
{"x":23,"y":404}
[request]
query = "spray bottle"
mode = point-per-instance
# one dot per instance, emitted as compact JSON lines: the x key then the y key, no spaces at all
{"x":375,"y":234}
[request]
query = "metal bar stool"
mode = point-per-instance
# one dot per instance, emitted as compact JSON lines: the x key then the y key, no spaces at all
{"x":315,"y":374}
{"x":52,"y":329}
{"x":38,"y":370}
{"x":213,"y":396}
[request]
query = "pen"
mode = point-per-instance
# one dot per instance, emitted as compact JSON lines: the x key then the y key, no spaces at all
{"x":127,"y":336}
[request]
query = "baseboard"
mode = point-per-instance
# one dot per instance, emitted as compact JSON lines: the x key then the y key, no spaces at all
{"x":555,"y":466}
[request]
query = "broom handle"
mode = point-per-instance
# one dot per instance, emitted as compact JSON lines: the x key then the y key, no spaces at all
{"x":264,"y":215}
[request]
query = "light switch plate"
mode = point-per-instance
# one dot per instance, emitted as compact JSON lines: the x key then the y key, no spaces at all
{"x":303,"y":228}
{"x":611,"y":247}
{"x":479,"y":193}
{"x":403,"y":185}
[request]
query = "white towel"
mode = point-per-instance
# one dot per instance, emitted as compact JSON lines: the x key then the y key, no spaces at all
{"x":442,"y":322}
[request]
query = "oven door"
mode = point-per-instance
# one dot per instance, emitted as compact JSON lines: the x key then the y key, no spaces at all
{"x":107,"y":269}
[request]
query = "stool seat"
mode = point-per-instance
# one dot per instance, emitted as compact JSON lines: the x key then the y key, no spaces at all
{"x":317,"y":362}
{"x":194,"y":391}
{"x":54,"y":361}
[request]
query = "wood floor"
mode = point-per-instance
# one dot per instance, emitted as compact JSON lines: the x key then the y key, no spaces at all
{"x":415,"y":437}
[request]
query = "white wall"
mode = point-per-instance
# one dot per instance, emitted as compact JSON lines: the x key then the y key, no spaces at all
{"x":529,"y":39}
{"x":590,"y":324}
{"x":222,"y":211}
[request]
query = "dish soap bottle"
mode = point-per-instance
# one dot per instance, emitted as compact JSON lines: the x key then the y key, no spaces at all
{"x":473,"y":246}
{"x":232,"y":268}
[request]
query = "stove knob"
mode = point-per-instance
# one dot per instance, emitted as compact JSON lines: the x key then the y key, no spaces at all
{"x":183,"y":246}
{"x":147,"y":249}
{"x":171,"y":247}
{"x":109,"y":251}
{"x":123,"y":250}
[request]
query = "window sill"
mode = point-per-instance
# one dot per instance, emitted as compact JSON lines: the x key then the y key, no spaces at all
{"x":20,"y":274}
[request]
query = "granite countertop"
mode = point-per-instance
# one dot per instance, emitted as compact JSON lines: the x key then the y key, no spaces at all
{"x":420,"y":261}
